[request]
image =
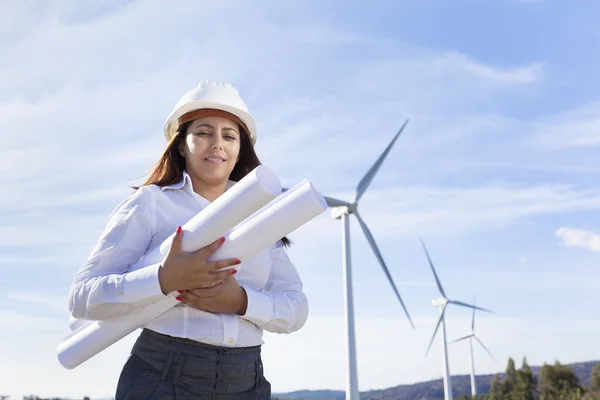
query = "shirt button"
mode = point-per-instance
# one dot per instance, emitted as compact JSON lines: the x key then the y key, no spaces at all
{"x":231,"y":340}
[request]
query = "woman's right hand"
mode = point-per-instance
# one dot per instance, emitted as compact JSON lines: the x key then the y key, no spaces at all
{"x":184,"y":271}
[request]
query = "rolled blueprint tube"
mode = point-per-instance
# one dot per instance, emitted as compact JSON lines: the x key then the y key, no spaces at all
{"x":284,"y":216}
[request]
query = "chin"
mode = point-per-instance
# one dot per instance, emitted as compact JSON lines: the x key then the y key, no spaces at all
{"x":214,"y":178}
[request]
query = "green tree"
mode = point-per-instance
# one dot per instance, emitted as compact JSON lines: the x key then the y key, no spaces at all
{"x":509,"y":382}
{"x":495,"y":388}
{"x":596,"y":377}
{"x":559,"y":382}
{"x":525,"y":387}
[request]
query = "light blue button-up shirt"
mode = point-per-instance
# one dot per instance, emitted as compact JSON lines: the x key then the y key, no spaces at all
{"x":106,"y":286}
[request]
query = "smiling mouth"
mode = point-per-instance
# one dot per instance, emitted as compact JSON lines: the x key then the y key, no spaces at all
{"x":215,"y":160}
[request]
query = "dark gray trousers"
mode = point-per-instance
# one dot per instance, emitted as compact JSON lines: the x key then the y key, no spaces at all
{"x":165,"y":367}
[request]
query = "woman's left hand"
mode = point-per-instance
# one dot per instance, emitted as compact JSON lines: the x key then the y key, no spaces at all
{"x":226,"y":298}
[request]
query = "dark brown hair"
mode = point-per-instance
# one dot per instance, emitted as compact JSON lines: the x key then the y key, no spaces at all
{"x":171,"y":164}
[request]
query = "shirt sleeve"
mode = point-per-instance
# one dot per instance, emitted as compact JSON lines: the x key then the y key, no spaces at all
{"x":282,"y":307}
{"x":104,"y":287}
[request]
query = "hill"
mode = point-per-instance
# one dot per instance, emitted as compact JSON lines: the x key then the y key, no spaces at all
{"x":461,"y":384}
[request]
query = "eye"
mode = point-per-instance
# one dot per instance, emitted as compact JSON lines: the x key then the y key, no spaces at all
{"x":202,"y":133}
{"x":230,"y":137}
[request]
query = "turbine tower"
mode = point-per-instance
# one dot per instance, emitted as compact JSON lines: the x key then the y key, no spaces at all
{"x":442,"y":303}
{"x":342,"y":210}
{"x":472,"y":336}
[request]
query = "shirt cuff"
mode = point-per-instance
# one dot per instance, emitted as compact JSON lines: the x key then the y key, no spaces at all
{"x":260,"y":306}
{"x":142,"y":284}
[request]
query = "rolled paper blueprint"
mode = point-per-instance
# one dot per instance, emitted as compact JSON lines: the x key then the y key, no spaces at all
{"x":284,"y":216}
{"x":275,"y":200}
{"x":254,"y":190}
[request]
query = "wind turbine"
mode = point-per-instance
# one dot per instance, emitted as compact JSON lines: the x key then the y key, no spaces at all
{"x":442,"y":303}
{"x":472,"y":336}
{"x":342,"y":210}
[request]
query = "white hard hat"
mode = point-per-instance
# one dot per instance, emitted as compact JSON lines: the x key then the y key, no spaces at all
{"x":215,"y":95}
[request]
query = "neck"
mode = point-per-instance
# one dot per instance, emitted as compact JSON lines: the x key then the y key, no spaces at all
{"x":209,"y":191}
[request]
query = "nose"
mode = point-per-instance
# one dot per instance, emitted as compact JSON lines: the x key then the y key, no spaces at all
{"x":218,"y":144}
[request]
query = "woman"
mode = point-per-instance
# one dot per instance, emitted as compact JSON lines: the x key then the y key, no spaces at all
{"x":208,"y":346}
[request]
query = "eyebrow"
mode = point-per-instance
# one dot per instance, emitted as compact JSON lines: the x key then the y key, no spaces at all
{"x":227,"y":128}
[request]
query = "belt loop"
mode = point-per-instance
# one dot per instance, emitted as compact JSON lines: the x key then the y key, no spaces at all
{"x":180,"y":360}
{"x":166,"y":368}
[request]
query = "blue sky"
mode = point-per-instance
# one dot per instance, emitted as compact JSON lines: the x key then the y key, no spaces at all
{"x":496,"y":170}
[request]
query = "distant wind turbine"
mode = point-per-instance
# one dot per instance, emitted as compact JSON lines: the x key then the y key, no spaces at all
{"x":342,"y":210}
{"x":442,"y":303}
{"x":472,"y":336}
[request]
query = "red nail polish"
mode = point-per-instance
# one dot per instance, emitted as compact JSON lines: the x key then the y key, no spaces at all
{"x":237,"y":262}
{"x":220,"y":283}
{"x":179,"y":229}
{"x":222,"y":239}
{"x":179,"y":298}
{"x":179,"y":291}
{"x":234,"y":272}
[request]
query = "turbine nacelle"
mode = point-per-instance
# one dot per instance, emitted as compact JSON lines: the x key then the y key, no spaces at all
{"x":440,"y":302}
{"x":338,"y":212}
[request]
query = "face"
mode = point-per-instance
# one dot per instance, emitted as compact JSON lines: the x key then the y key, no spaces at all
{"x":211,"y":149}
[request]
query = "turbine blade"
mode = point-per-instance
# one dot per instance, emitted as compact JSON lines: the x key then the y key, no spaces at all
{"x":371,"y":241}
{"x":462,"y":338}
{"x":435,"y":331}
{"x":331,"y":202}
{"x":460,"y":303}
{"x":366,"y":180}
{"x":433,"y":269}
{"x":485,"y":348}
{"x":473,"y":319}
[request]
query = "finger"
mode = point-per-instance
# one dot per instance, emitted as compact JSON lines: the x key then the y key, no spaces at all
{"x":189,"y":297}
{"x":193,"y":301}
{"x":207,"y":251}
{"x":224,"y":273}
{"x":207,"y":292}
{"x":221,"y":264}
{"x":176,"y":242}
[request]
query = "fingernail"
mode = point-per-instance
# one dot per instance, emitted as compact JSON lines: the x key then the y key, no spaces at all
{"x":220,"y":283}
{"x":222,"y":239}
{"x":179,"y":291}
{"x":234,"y":272}
{"x":179,"y":229}
{"x":179,"y":298}
{"x":237,"y":262}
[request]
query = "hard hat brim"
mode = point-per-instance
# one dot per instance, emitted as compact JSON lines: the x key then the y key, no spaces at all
{"x":172,"y":123}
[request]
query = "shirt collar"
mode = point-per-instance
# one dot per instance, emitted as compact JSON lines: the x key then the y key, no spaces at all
{"x":186,"y":183}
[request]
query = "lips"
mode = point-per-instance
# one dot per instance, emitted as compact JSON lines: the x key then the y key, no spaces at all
{"x":215,"y":159}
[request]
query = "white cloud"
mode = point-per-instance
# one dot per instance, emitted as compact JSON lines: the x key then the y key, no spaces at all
{"x":510,"y":76}
{"x":451,"y":210}
{"x":579,"y":238}
{"x":19,"y":322}
{"x":55,"y":303}
{"x":579,"y":128}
